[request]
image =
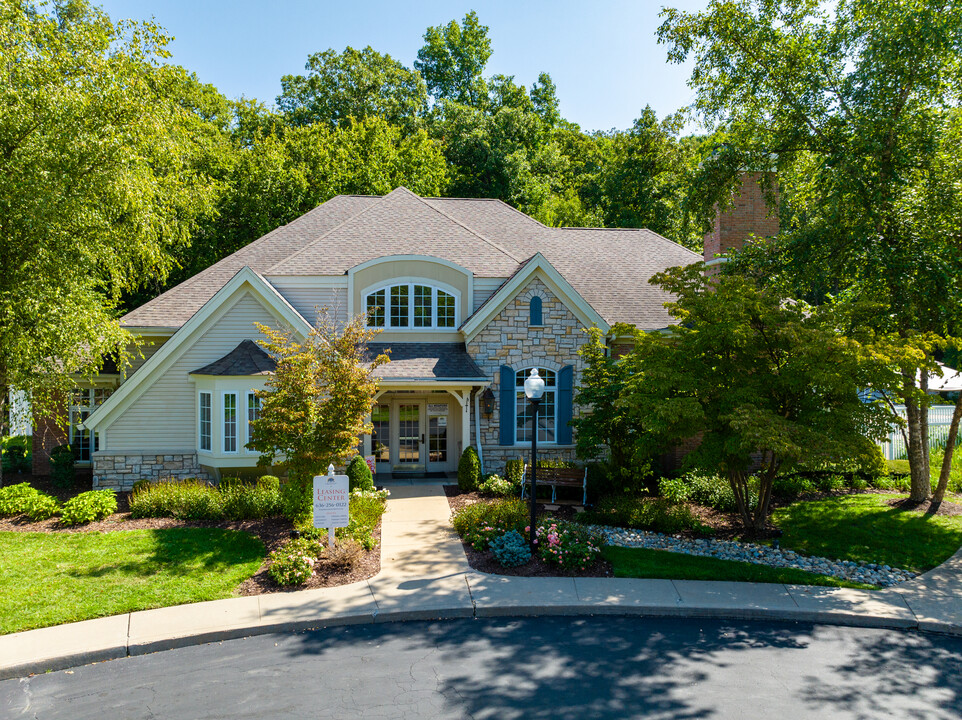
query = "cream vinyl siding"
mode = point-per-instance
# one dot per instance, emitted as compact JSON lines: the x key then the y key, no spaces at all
{"x":147,"y":349}
{"x":165,"y":416}
{"x":483,"y":289}
{"x":306,"y":296}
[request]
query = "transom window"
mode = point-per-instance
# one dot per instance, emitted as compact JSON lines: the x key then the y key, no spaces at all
{"x":546,"y":412}
{"x":410,"y":305}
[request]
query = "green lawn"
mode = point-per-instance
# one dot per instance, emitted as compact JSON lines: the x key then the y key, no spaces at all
{"x":52,"y":578}
{"x":863,"y":527}
{"x":644,"y":563}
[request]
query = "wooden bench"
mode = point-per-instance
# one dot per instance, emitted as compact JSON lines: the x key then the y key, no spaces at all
{"x":558,"y":477}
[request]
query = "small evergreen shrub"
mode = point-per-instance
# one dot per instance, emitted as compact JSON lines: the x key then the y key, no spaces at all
{"x":513,"y":472}
{"x":469,"y":470}
{"x":269,"y":482}
{"x":481,"y":522}
{"x":567,"y":545}
{"x":16,"y":459}
{"x":292,"y":564}
{"x":789,"y":487}
{"x":359,"y":474}
{"x":511,"y":550}
{"x":43,"y":507}
{"x":645,"y":513}
{"x":89,"y":507}
{"x":62,"y":472}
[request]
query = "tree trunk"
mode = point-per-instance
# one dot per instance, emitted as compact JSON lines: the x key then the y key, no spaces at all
{"x":737,"y":481}
{"x":943,"y":485}
{"x":4,"y":422}
{"x":924,"y":426}
{"x":921,"y":482}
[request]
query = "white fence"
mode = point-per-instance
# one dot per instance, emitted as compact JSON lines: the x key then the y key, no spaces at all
{"x":940,"y":417}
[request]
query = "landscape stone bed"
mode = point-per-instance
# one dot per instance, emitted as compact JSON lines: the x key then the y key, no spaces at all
{"x":870,"y":573}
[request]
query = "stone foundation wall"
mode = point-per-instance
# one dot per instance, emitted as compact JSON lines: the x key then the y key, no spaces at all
{"x":509,"y":339}
{"x":120,"y":472}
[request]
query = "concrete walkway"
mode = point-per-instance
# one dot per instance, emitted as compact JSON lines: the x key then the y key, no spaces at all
{"x":424,"y":574}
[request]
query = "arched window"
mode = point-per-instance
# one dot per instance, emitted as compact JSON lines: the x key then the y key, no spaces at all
{"x":411,"y":305}
{"x":534,"y":312}
{"x":546,"y":413}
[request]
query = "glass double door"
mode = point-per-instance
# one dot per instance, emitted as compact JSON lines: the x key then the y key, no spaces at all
{"x":412,"y":434}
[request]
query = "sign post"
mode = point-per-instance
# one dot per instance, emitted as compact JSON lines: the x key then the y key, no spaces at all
{"x":331,"y":502}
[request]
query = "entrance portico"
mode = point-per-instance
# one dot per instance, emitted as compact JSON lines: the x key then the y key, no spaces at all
{"x":422,"y":416}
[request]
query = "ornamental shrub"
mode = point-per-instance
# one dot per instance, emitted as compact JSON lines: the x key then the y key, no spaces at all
{"x":480,"y":523}
{"x":88,"y":507}
{"x":513,"y":471}
{"x":707,"y":490}
{"x":567,"y":545}
{"x":497,"y":486}
{"x":17,"y":499}
{"x":62,"y":472}
{"x":511,"y":550}
{"x":269,"y":482}
{"x":250,"y":502}
{"x":16,"y":459}
{"x":43,"y":507}
{"x":359,"y":474}
{"x":345,"y":554}
{"x":645,"y":513}
{"x":469,"y":470}
{"x":292,"y":564}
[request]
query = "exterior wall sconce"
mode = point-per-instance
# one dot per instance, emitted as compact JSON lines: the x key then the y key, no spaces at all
{"x":487,"y":401}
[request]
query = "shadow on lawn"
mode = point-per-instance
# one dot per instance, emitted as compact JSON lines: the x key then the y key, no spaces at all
{"x":180,"y":552}
{"x":630,"y":667}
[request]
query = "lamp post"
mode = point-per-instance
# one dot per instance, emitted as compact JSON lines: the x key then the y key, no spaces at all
{"x":533,"y":390}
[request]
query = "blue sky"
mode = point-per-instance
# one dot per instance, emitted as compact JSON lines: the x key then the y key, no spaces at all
{"x":603,"y":55}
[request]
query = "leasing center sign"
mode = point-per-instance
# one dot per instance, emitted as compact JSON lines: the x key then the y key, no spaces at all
{"x":331,"y":500}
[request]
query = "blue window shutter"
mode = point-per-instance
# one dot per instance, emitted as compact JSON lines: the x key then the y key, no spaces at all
{"x":565,"y":404}
{"x":535,"y":312}
{"x":507,"y":410}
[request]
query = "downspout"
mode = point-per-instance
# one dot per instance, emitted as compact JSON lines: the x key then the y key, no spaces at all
{"x":477,"y":428}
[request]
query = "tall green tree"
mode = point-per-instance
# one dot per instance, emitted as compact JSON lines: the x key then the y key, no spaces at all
{"x":98,"y":181}
{"x":848,"y":101}
{"x":353,"y":84}
{"x":761,"y":378}
{"x":453,"y":59}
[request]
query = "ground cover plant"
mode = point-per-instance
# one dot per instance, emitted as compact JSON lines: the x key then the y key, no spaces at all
{"x":52,"y":578}
{"x":869,"y":528}
{"x":645,"y":563}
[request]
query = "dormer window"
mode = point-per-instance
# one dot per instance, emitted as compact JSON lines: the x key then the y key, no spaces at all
{"x":411,"y":305}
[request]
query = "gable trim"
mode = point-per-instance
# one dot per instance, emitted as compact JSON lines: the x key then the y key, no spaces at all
{"x":537,"y":266}
{"x":213,"y":309}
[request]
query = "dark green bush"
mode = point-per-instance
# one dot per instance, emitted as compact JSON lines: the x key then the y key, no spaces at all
{"x":645,"y":513}
{"x":706,"y":490}
{"x":513,"y":470}
{"x":16,"y":459}
{"x":89,"y":507}
{"x":469,"y":470}
{"x":359,"y":474}
{"x":510,"y":549}
{"x":250,"y":502}
{"x":481,"y":522}
{"x":62,"y":472}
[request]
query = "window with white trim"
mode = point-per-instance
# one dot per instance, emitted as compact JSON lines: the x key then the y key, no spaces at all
{"x":84,"y":401}
{"x":253,"y":413}
{"x":205,"y":421}
{"x":546,"y":412}
{"x":411,"y":305}
{"x":230,"y":422}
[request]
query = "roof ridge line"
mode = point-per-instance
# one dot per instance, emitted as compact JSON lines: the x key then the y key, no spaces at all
{"x":312,"y":243}
{"x":492,"y":243}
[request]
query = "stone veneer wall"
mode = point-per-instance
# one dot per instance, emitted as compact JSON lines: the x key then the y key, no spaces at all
{"x":120,"y":472}
{"x":508,"y":340}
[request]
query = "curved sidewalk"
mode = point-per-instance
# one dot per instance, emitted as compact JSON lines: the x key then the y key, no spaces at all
{"x":425,"y":575}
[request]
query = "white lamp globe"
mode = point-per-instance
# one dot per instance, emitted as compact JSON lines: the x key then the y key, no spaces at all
{"x":533,"y":385}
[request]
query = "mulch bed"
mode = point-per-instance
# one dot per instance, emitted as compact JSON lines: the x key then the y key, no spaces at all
{"x":483,"y":561}
{"x":927,"y":507}
{"x":273,"y":532}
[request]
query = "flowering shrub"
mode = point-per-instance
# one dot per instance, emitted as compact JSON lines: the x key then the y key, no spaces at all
{"x":511,"y":550}
{"x":371,"y":494}
{"x":293,"y":564}
{"x":497,"y":486}
{"x":569,"y":546}
{"x":482,"y":522}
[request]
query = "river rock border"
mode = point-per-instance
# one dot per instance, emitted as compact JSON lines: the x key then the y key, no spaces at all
{"x":869,"y":573}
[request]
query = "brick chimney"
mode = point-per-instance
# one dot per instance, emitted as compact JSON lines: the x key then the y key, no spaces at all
{"x":750,"y":215}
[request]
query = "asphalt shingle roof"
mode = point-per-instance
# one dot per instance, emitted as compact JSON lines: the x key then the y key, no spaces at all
{"x":248,"y":358}
{"x":426,"y":361}
{"x":609,"y":268}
